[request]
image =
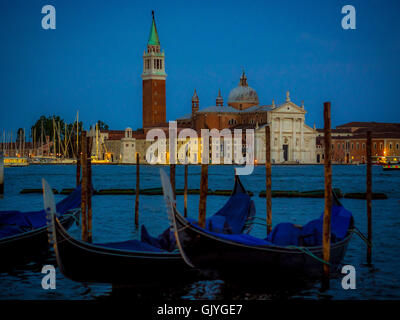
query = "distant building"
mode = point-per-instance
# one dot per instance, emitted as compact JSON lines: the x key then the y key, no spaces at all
{"x":349,"y":142}
{"x":291,"y":139}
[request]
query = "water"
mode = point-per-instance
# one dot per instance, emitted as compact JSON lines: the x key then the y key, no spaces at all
{"x":113,"y":220}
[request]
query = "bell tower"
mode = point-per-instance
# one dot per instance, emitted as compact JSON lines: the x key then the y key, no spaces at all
{"x":154,"y":102}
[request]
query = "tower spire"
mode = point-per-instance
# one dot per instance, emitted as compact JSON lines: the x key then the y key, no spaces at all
{"x":153,"y":37}
{"x":154,"y":102}
{"x":195,"y":102}
{"x":220,"y":100}
{"x":243,"y":80}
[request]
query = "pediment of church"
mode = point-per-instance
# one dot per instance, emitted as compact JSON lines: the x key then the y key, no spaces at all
{"x":308,"y":129}
{"x":289,"y":107}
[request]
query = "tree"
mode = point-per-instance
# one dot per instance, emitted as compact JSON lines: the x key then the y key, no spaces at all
{"x":101,"y":125}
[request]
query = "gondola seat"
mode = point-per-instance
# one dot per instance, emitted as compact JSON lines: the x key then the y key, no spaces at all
{"x":310,"y":235}
{"x":285,"y":234}
{"x":165,"y":241}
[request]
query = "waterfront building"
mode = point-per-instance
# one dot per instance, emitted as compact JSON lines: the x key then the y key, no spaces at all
{"x":291,"y":139}
{"x":349,"y":142}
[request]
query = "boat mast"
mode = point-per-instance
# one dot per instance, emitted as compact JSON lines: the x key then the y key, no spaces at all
{"x":54,"y":137}
{"x":59,"y":137}
{"x":65,"y":140}
{"x":23,"y":146}
{"x":41,"y":138}
{"x":97,"y":141}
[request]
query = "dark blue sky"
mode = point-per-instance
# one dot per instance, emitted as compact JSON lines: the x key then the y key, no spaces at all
{"x":93,"y":60}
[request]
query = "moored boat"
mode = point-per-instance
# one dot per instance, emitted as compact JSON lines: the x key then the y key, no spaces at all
{"x":389,"y":167}
{"x":16,"y":162}
{"x":144,"y":262}
{"x":290,"y":251}
{"x":23,"y":235}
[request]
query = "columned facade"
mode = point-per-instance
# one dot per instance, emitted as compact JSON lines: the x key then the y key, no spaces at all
{"x":292,"y":141}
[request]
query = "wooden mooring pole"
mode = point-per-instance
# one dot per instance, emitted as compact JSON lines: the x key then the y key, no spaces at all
{"x":78,"y":164}
{"x":326,"y":233}
{"x":268,"y":192}
{"x":203,"y":195}
{"x":185,"y":191}
{"x":172,"y":167}
{"x":84,"y":186}
{"x":89,"y":189}
{"x":369,"y":196}
{"x":137,"y":192}
{"x":1,"y":173}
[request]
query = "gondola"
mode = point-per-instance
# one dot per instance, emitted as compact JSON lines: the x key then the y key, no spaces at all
{"x":139,"y":262}
{"x":23,"y":235}
{"x":289,"y":252}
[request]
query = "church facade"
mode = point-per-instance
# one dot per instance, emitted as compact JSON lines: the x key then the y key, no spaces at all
{"x":292,"y":141}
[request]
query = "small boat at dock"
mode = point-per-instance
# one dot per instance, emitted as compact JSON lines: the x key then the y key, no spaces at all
{"x":391,"y":166}
{"x":16,"y":162}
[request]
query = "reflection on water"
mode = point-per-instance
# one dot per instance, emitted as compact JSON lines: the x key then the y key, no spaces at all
{"x":113,"y":220}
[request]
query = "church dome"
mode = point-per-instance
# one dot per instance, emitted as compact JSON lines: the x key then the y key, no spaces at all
{"x":243,"y":93}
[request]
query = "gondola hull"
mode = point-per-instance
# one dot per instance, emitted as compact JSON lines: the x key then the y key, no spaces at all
{"x":31,"y":245}
{"x":85,"y":262}
{"x":233,"y":260}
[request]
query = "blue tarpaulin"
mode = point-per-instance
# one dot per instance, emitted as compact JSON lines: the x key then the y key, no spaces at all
{"x":288,"y":234}
{"x":230,"y":219}
{"x":15,"y":222}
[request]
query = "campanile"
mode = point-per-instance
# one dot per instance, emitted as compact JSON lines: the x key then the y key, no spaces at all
{"x":154,"y":103}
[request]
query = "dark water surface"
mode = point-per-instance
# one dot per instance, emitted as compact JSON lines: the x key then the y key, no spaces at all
{"x":113,"y":220}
